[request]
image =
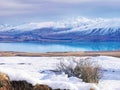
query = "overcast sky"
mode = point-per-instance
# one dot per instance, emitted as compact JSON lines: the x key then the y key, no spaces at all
{"x":22,"y":11}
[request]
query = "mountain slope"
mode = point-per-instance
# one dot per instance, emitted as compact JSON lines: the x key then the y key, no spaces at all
{"x":80,"y":29}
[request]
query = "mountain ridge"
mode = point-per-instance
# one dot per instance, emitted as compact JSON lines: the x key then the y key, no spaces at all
{"x":80,"y":29}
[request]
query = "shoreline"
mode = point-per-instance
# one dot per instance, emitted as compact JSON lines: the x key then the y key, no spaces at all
{"x":55,"y":54}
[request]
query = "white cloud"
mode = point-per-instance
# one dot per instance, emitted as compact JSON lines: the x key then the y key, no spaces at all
{"x":73,"y":1}
{"x":56,"y":9}
{"x":11,"y":4}
{"x":84,"y":1}
{"x":9,"y":7}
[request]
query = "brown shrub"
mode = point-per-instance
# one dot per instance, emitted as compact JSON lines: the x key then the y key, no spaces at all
{"x":42,"y":87}
{"x":4,"y":82}
{"x":21,"y":85}
{"x":85,"y":69}
{"x":92,"y":89}
{"x":61,"y":89}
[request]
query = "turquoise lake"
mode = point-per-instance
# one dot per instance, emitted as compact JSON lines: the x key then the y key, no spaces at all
{"x":60,"y":47}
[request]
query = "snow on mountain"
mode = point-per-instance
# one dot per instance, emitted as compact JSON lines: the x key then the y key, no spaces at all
{"x":32,"y":26}
{"x":27,"y":26}
{"x":85,"y":24}
{"x":74,"y":29}
{"x":77,"y":24}
{"x":5,"y":27}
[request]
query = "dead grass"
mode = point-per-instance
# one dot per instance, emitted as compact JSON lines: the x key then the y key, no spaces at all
{"x":51,"y":54}
{"x":6,"y":84}
{"x":86,"y":70}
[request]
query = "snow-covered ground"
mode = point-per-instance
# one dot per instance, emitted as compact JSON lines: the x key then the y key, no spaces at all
{"x":39,"y":70}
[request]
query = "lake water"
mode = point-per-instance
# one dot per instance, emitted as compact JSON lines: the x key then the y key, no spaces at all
{"x":60,"y":47}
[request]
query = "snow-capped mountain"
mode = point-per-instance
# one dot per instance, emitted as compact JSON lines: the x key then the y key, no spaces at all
{"x":78,"y":29}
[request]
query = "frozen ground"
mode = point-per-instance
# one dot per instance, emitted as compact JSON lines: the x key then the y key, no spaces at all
{"x":39,"y":70}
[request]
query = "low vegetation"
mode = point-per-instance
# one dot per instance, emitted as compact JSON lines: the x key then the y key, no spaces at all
{"x":84,"y":69}
{"x":7,"y":84}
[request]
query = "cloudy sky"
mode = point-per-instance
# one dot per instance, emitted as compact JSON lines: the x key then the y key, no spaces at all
{"x":23,"y":11}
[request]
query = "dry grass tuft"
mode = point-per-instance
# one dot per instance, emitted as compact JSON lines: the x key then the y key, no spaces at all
{"x":92,"y":89}
{"x":42,"y":87}
{"x":21,"y":85}
{"x":86,"y":70}
{"x":4,"y":82}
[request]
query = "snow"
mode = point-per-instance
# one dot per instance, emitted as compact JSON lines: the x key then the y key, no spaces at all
{"x":111,"y":76}
{"x":75,"y":24}
{"x":40,"y":70}
{"x":32,"y":26}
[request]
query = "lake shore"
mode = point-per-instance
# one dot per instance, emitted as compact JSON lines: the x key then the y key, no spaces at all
{"x":55,"y":54}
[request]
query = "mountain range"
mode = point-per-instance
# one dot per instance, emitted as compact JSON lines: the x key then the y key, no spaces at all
{"x":73,"y":30}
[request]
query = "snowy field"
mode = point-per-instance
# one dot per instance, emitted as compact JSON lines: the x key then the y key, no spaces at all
{"x":40,"y":70}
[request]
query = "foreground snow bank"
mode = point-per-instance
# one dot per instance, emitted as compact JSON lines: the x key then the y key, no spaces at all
{"x":29,"y":69}
{"x":39,"y":70}
{"x":55,"y":81}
